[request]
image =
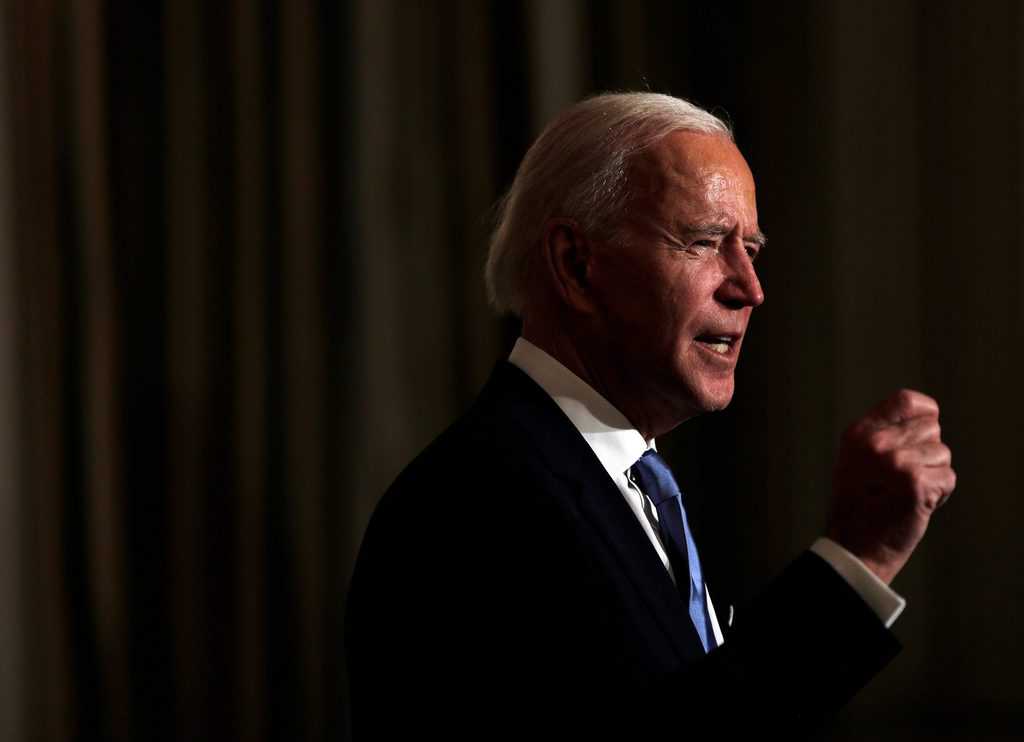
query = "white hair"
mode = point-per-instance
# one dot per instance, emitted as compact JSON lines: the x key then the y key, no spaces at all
{"x":577,"y":169}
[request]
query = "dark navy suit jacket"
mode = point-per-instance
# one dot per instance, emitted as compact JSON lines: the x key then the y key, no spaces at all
{"x":505,"y":588}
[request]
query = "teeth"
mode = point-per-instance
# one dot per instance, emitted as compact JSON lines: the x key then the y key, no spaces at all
{"x":717,"y":343}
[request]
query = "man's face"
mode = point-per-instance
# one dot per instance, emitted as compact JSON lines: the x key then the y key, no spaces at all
{"x":676,"y":287}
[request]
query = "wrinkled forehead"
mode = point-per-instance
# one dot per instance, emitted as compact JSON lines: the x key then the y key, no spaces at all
{"x":692,"y":163}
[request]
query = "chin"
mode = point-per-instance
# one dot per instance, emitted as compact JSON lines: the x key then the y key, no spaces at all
{"x":716,"y":405}
{"x":687,"y":395}
{"x":716,"y":396}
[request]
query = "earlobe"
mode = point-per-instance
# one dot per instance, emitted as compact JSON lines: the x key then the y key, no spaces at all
{"x":567,"y":255}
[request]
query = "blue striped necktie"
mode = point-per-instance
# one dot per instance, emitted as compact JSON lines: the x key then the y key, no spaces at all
{"x":655,"y":480}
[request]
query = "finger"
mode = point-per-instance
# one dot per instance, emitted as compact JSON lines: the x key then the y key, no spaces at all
{"x":928,"y":454}
{"x":907,"y":433}
{"x":904,"y":405}
{"x":920,"y":430}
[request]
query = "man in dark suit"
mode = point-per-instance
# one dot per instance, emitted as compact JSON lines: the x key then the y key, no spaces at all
{"x":534,"y":569}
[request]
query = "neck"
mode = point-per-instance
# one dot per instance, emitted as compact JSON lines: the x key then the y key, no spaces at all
{"x":608,"y":378}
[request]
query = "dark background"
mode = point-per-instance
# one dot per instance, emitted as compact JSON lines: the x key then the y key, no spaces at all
{"x":241,"y":247}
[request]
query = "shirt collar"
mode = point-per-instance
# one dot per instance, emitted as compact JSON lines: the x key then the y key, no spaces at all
{"x":614,"y":440}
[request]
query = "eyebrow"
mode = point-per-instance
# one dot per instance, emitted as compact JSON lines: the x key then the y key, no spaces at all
{"x":720,"y":230}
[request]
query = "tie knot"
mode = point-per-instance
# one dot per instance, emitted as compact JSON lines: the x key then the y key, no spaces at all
{"x":654,"y":477}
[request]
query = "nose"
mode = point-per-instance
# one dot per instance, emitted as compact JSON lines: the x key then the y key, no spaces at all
{"x":740,"y":285}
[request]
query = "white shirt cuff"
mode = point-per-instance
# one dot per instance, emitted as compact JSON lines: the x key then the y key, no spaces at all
{"x":886,"y":604}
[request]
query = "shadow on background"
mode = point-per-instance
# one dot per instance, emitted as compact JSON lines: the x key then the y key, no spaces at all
{"x":241,"y":248}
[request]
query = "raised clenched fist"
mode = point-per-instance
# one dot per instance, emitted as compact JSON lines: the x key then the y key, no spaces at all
{"x":892,"y":473}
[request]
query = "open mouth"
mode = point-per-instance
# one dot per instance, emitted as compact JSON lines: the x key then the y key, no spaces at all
{"x":721,"y":344}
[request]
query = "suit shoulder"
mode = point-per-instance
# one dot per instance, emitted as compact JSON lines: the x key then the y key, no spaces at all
{"x":477,"y":451}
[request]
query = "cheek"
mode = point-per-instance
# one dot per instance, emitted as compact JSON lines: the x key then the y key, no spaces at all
{"x":688,"y":302}
{"x":655,"y":307}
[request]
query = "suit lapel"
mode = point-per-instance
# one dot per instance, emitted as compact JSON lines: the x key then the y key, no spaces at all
{"x":596,"y":496}
{"x":611,"y":517}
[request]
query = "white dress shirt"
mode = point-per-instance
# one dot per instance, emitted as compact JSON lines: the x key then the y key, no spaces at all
{"x":617,"y":445}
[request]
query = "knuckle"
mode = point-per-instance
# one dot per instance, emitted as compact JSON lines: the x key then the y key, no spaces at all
{"x":911,"y":403}
{"x":904,"y":396}
{"x":904,"y":401}
{"x":877,"y":442}
{"x":856,"y":430}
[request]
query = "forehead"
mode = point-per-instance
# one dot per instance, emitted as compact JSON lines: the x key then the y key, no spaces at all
{"x":690,"y":171}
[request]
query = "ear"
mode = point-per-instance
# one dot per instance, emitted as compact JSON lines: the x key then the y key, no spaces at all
{"x":567,"y":257}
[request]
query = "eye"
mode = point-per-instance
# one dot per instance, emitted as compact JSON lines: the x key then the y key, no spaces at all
{"x":753,"y":250}
{"x":701,"y":247}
